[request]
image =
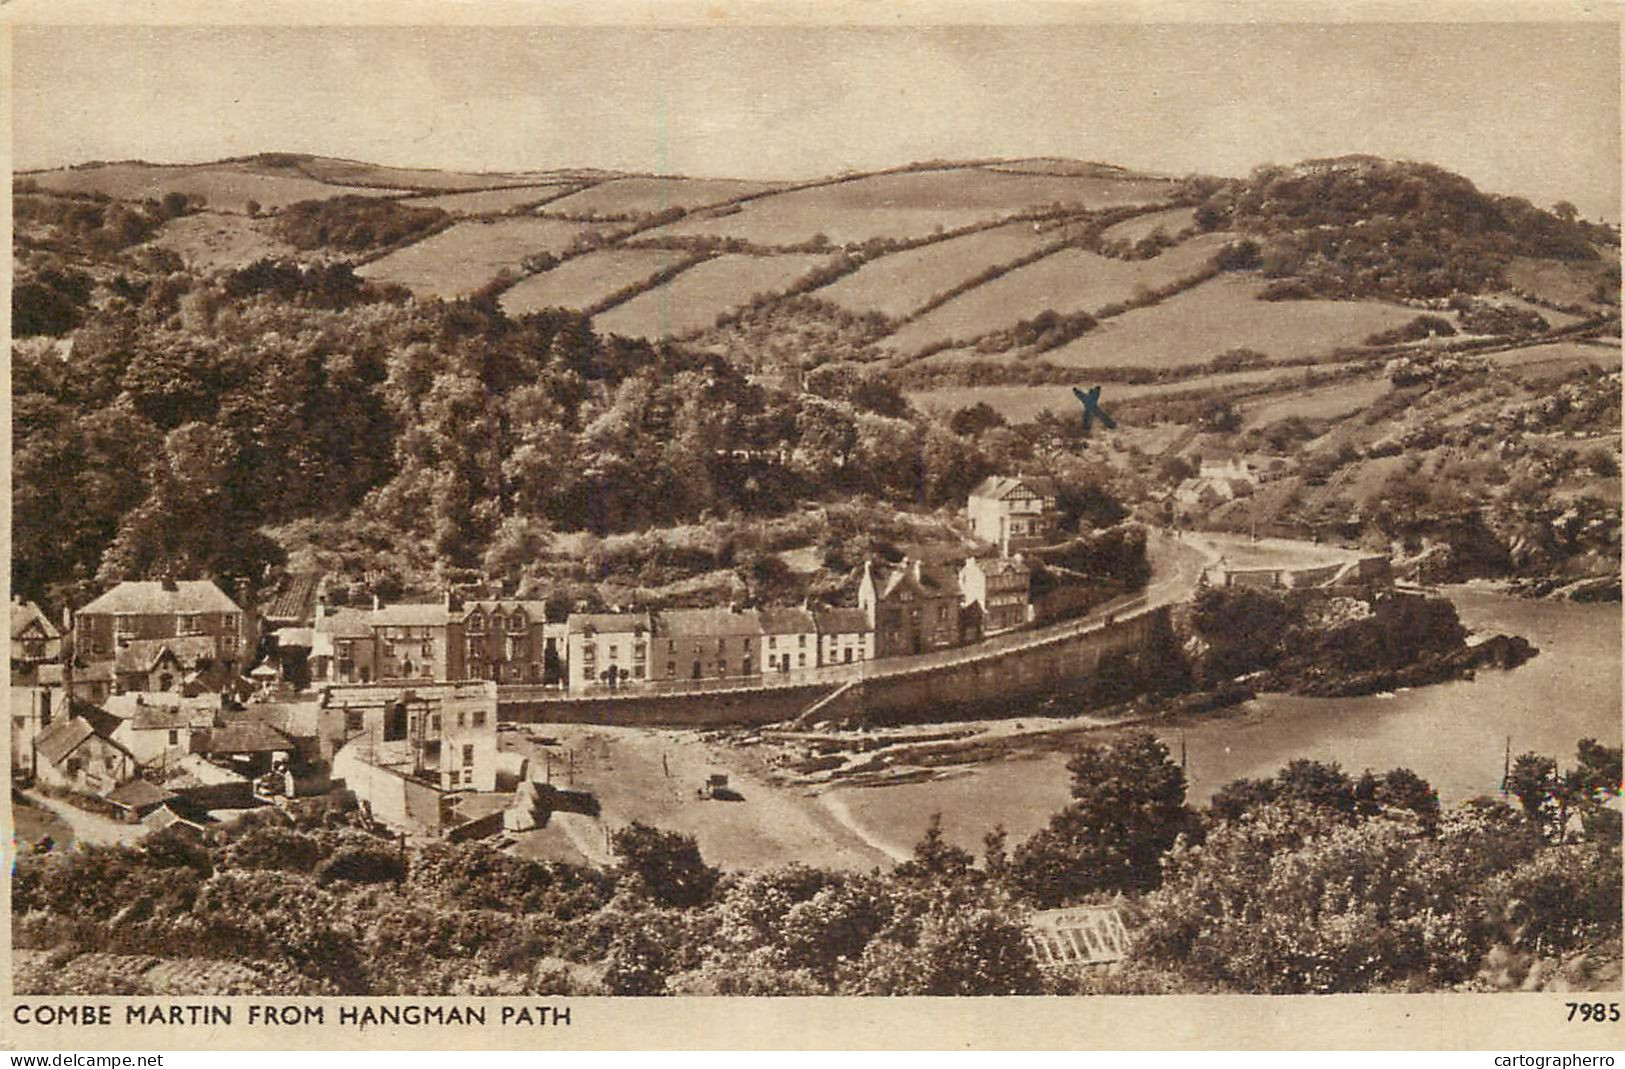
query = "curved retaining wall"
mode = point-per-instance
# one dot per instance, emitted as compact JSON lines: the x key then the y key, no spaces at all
{"x":1044,"y":666}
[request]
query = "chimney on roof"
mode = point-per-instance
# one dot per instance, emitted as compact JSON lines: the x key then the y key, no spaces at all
{"x":166,"y":580}
{"x":914,"y":567}
{"x":733,"y":606}
{"x":376,"y":604}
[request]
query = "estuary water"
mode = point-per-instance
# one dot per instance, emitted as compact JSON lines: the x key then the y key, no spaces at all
{"x":1454,"y":735}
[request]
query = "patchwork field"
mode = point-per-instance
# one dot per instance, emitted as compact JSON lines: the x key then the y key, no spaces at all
{"x":897,"y":284}
{"x":1222,"y":314}
{"x":1170,"y":222}
{"x":1072,"y":280}
{"x":631,"y":196}
{"x":466,"y":256}
{"x":209,"y":241}
{"x":492,"y":201}
{"x":694,"y":299}
{"x":354,"y":172}
{"x":909,"y":205}
{"x":1322,"y":402}
{"x":1020,"y":404}
{"x":583,"y":281}
{"x":223,"y":187}
{"x":1560,"y":356}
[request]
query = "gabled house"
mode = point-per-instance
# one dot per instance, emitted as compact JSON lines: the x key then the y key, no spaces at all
{"x":207,"y":632}
{"x":789,"y":639}
{"x":343,"y":647}
{"x":506,"y":640}
{"x":845,"y":636}
{"x":162,"y":734}
{"x":1001,"y":588}
{"x":912,"y":608}
{"x":419,"y":640}
{"x":169,"y":664}
{"x":79,"y":753}
{"x":35,"y":641}
{"x":607,"y":648}
{"x":693,"y":644}
{"x":1015,"y":513}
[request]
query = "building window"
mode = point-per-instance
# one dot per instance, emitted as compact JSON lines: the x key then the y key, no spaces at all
{"x":772,"y":642}
{"x":637,"y":671}
{"x":123,"y":625}
{"x":434,"y":723}
{"x":516,"y":623}
{"x":640,"y":651}
{"x":353,"y":721}
{"x":229,"y":621}
{"x":671,"y":669}
{"x":468,"y":777}
{"x":188,"y":623}
{"x":479,"y":718}
{"x":801,"y":640}
{"x":802,"y":660}
{"x":476,"y":623}
{"x":462,"y":718}
{"x":468,"y":754}
{"x":174,"y":737}
{"x":614,"y":651}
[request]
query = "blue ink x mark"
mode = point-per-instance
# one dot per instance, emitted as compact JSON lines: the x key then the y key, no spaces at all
{"x":1092,"y":409}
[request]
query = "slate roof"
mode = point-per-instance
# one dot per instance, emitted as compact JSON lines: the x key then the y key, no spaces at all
{"x":536,"y":610}
{"x":142,"y":654}
{"x":62,"y":738}
{"x":608,"y":623}
{"x":787,"y":622}
{"x":412,"y":614}
{"x":293,"y":719}
{"x":999,"y":487}
{"x":138,"y":794}
{"x":24,"y":613}
{"x":65,"y":736}
{"x":710,"y":623}
{"x":242,"y":737}
{"x":346,"y":623}
{"x":934,"y":582}
{"x":992,"y":566}
{"x":168,"y":718}
{"x":842,"y":621}
{"x":149,"y":597}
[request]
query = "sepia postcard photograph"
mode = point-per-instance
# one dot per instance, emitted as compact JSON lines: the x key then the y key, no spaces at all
{"x":519,"y":505}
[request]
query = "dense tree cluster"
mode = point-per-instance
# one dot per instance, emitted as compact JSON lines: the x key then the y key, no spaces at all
{"x":1307,"y":881}
{"x":1360,"y":228}
{"x":355,"y":223}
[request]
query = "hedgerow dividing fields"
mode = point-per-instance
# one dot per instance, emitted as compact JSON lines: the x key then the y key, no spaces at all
{"x":897,"y":284}
{"x":1072,"y":280}
{"x":1224,"y":314}
{"x":908,"y":205}
{"x":223,"y":187}
{"x":693,"y":300}
{"x":492,"y":201}
{"x":467,"y":255}
{"x":629,"y":196}
{"x":583,"y":281}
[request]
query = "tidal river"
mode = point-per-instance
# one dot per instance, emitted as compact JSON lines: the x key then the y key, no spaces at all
{"x":1452,"y":734}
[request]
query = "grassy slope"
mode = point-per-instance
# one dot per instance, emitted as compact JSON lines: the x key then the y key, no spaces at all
{"x":223,"y":187}
{"x":1223,"y":314}
{"x":629,"y":195}
{"x":694,"y":299}
{"x":583,"y":281}
{"x":897,"y":284}
{"x":464,"y":257}
{"x":909,"y":205}
{"x":1072,"y":280}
